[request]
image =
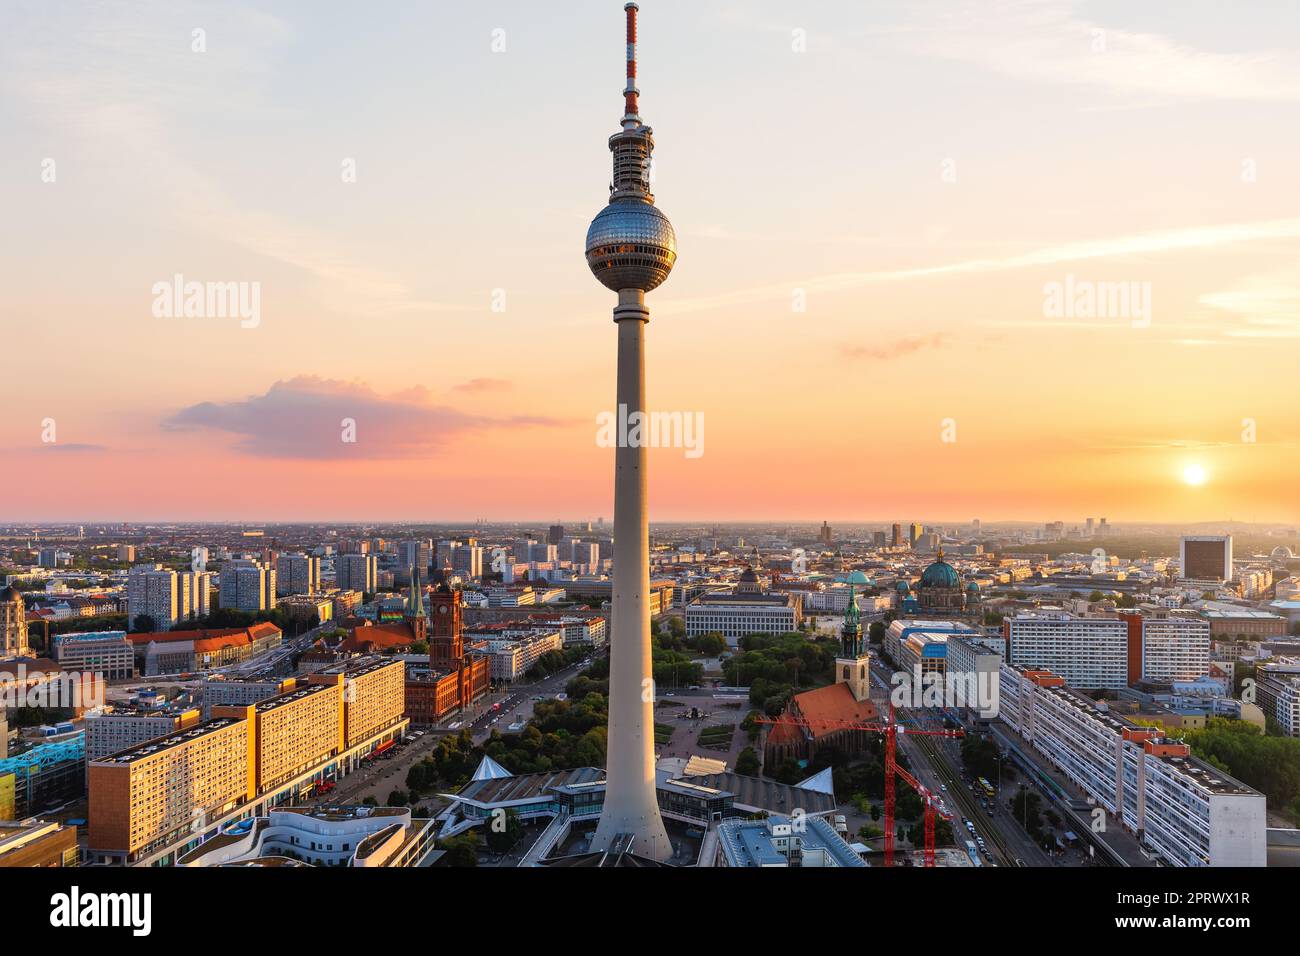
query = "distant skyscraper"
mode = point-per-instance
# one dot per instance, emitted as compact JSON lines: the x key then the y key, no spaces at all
{"x":247,"y":585}
{"x":417,"y":554}
{"x":896,"y":535}
{"x":356,"y":572}
{"x":631,"y":249}
{"x":297,"y":574}
{"x":152,"y":592}
{"x":199,"y":559}
{"x":556,"y":534}
{"x":469,"y":560}
{"x":1206,"y":557}
{"x":826,"y":536}
{"x":914,"y":531}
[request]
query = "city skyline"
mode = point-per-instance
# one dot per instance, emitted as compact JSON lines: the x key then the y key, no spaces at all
{"x":861,"y":292}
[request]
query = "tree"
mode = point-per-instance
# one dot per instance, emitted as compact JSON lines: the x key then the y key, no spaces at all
{"x":747,"y":763}
{"x":397,"y":798}
{"x":876,"y":632}
{"x":461,"y":850}
{"x":504,"y":832}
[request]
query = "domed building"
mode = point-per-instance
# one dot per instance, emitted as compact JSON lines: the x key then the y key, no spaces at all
{"x":940,"y":590}
{"x":13,"y":624}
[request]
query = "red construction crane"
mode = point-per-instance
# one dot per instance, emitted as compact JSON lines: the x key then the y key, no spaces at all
{"x":890,"y":729}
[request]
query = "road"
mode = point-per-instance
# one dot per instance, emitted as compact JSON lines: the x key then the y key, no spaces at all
{"x":380,"y":777}
{"x":936,"y":762}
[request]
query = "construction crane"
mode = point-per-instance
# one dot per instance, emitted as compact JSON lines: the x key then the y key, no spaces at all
{"x":890,"y":729}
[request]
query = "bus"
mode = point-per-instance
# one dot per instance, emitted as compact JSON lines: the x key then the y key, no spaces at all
{"x":986,"y":787}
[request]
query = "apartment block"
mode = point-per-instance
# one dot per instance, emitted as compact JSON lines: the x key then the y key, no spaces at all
{"x":237,"y":692}
{"x":248,"y":585}
{"x":292,"y":732}
{"x":159,"y":792}
{"x":113,"y":732}
{"x":356,"y":572}
{"x":297,"y":574}
{"x":151,"y":592}
{"x":1182,"y":809}
{"x":374,"y":694}
{"x":1087,"y":652}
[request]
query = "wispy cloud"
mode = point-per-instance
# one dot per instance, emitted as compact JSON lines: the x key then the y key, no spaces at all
{"x":896,"y":348}
{"x":1153,"y":243}
{"x":1050,"y":41}
{"x":312,"y":418}
{"x":479,"y":385}
{"x":120,"y":81}
{"x":1265,"y":306}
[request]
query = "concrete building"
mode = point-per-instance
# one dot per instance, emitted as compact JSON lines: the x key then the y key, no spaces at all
{"x":220,"y":691}
{"x":38,"y":843}
{"x":1205,"y":557}
{"x":1182,"y":809}
{"x":297,"y":574}
{"x":153,"y":593}
{"x":292,"y":732}
{"x":320,"y":836}
{"x":117,"y":730}
{"x":357,"y":572}
{"x":1087,"y":652}
{"x":107,"y":653}
{"x":1277,"y":687}
{"x":514,"y":653}
{"x":164,"y":790}
{"x":777,"y":842}
{"x":746,"y":610}
{"x":1174,"y":647}
{"x":248,"y":585}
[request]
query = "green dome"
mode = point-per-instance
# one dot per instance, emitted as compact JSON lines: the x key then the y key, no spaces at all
{"x":941,"y":574}
{"x":857,"y":577}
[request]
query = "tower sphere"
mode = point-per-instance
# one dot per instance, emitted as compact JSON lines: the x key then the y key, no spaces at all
{"x":631,"y":245}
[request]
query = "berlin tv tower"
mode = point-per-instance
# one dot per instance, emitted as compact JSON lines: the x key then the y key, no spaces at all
{"x":631,"y":249}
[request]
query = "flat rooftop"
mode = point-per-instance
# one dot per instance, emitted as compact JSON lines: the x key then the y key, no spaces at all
{"x":169,"y":742}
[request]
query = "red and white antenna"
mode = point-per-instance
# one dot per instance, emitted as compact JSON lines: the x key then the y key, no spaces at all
{"x":630,"y":117}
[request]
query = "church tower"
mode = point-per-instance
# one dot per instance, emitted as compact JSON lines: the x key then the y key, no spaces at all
{"x":853,"y":666}
{"x":414,"y":616}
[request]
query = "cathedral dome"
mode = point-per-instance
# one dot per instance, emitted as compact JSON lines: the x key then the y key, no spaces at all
{"x":11,"y":595}
{"x":857,"y":577}
{"x":941,"y":574}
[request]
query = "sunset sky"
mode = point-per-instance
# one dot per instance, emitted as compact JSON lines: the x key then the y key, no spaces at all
{"x":917,"y":172}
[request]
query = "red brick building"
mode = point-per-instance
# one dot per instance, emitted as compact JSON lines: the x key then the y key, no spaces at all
{"x":454,"y":679}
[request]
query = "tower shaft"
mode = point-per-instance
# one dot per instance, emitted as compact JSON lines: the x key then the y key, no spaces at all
{"x":631,"y":807}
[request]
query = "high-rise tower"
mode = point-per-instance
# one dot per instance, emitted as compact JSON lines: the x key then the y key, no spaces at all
{"x":631,"y":249}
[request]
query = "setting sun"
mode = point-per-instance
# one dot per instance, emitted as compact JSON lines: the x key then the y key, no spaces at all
{"x":1194,"y":475}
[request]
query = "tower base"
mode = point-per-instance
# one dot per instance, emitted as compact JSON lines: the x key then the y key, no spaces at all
{"x":642,"y":836}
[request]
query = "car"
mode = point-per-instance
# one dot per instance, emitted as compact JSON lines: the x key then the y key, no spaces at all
{"x":943,"y":787}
